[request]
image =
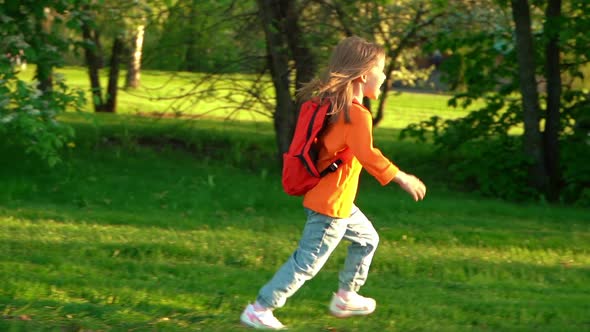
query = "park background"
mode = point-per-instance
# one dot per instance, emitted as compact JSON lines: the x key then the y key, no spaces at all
{"x":141,"y":145}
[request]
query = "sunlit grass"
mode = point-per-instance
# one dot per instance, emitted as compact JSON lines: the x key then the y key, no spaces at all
{"x":158,"y":91}
{"x":200,"y":95}
{"x":128,"y":236}
{"x":154,"y":235}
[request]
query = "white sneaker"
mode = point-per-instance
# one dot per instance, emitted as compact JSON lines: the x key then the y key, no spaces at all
{"x":356,"y":305}
{"x":263,"y":320}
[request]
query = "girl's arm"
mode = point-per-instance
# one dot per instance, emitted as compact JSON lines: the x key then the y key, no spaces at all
{"x":359,"y":138}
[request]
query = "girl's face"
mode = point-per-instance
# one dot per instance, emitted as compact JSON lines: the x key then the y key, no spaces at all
{"x":374,"y":79}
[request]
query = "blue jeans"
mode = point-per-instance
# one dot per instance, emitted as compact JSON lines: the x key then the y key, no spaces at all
{"x":321,"y":236}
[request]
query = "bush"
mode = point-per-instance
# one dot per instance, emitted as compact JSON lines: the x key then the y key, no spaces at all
{"x":493,"y":168}
{"x":483,"y":157}
{"x":28,"y":112}
{"x":28,"y":116}
{"x":575,"y":158}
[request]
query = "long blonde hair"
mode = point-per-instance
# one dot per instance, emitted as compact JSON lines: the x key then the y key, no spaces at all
{"x":350,"y":59}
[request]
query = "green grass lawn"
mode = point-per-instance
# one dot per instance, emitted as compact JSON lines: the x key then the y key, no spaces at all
{"x":134,"y":233}
{"x":157,"y":89}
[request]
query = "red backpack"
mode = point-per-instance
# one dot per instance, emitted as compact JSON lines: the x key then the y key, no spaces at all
{"x":300,"y":173}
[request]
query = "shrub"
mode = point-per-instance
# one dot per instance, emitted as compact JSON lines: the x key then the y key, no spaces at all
{"x":482,"y":156}
{"x":28,"y":113}
{"x":494,"y":168}
{"x":575,"y":159}
{"x":28,"y":116}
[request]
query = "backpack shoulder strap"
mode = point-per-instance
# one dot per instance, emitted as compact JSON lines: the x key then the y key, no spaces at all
{"x":341,"y":158}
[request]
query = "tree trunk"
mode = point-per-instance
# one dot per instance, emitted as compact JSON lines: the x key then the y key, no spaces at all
{"x":552,"y":72}
{"x":392,"y":56}
{"x":392,"y":53}
{"x":93,"y":63}
{"x":272,"y":15}
{"x":44,"y":75}
{"x":383,"y":98}
{"x":305,"y":67}
{"x":98,"y":49}
{"x":191,"y":56}
{"x":530,"y":97}
{"x":116,"y":55}
{"x":44,"y":72}
{"x":134,"y":65}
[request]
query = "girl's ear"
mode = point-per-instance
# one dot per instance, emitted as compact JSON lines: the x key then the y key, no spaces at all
{"x":361,"y":79}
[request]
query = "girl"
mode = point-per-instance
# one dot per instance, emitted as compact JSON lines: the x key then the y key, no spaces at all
{"x":355,"y":71}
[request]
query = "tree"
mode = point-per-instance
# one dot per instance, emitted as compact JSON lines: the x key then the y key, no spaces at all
{"x":40,"y":37}
{"x":127,"y":36}
{"x":28,"y":111}
{"x":90,"y":34}
{"x":532,"y":143}
{"x":284,"y":44}
{"x":226,"y":39}
{"x":533,"y":51}
{"x":135,"y":24}
{"x":289,"y":34}
{"x":400,"y":27}
{"x":554,"y":93}
{"x":135,"y":54}
{"x":191,"y":56}
{"x":197,"y":35}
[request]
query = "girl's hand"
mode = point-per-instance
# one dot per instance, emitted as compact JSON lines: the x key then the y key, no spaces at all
{"x":411,"y":184}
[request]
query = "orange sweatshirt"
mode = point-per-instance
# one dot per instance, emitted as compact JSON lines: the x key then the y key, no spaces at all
{"x":335,"y":193}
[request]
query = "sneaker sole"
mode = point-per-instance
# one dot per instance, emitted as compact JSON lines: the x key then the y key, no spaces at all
{"x":345,"y":314}
{"x":246,"y":322}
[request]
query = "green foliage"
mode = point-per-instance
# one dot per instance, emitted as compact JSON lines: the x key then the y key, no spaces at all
{"x":480,"y":153}
{"x":494,"y":168}
{"x":204,"y":36}
{"x":575,"y":152}
{"x":575,"y":147}
{"x":496,"y":119}
{"x":482,"y":66}
{"x":28,"y":116}
{"x":576,"y":160}
{"x":490,"y":164}
{"x":484,"y":151}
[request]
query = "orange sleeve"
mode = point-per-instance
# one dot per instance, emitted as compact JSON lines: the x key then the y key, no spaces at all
{"x":359,"y":138}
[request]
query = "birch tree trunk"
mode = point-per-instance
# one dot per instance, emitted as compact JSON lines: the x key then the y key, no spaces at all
{"x":134,"y":65}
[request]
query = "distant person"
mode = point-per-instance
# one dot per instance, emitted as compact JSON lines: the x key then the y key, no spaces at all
{"x":436,"y":59}
{"x":355,"y":71}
